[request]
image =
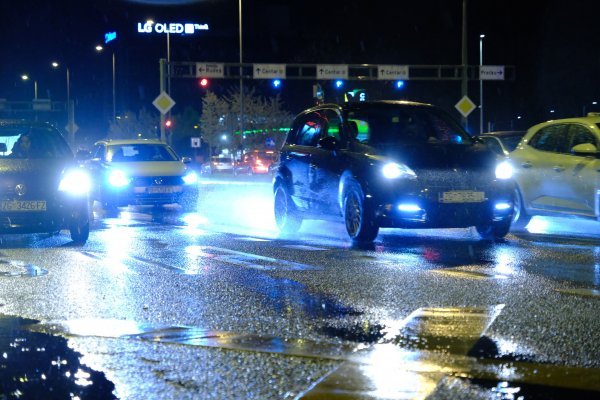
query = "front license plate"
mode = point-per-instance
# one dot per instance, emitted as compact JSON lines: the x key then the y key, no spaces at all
{"x":163,"y":189}
{"x":462,"y":196}
{"x":22,"y":205}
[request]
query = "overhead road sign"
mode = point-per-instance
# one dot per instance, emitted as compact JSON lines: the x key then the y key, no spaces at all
{"x":210,"y":70}
{"x":269,"y":71}
{"x":392,"y":72}
{"x":163,"y":103}
{"x":332,"y":71}
{"x":491,"y":72}
{"x":350,"y":72}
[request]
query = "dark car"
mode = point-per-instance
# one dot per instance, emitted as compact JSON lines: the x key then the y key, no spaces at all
{"x":42,"y":188}
{"x":141,"y":172}
{"x":390,"y":164}
{"x":502,"y":142}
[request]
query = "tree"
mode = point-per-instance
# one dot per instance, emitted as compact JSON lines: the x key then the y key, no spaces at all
{"x":264,"y":118}
{"x":131,"y":125}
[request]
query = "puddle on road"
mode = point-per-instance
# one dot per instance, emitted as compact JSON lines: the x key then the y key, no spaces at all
{"x":13,"y":268}
{"x":36,"y":365}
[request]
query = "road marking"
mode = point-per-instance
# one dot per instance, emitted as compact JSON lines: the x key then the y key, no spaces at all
{"x":593,"y":293}
{"x":458,"y":273}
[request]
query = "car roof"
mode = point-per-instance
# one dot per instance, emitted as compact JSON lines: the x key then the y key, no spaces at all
{"x":367,"y":104}
{"x":591,"y":119}
{"x":116,"y":142}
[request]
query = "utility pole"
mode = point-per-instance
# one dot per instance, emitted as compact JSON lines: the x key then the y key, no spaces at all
{"x":465,"y":63}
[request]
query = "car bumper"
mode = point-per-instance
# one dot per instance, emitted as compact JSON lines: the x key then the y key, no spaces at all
{"x":445,"y":208}
{"x":147,"y":195}
{"x":59,"y":214}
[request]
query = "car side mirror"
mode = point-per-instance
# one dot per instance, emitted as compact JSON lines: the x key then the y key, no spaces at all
{"x":186,"y":160}
{"x":328,"y":143}
{"x":585,"y":149}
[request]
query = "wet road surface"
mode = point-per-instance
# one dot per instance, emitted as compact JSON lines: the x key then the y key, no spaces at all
{"x":214,"y":305}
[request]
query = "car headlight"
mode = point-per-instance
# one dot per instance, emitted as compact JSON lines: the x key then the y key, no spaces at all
{"x":394,"y":170}
{"x":504,"y":170}
{"x":117,"y":178}
{"x":75,"y":182}
{"x":190,"y":178}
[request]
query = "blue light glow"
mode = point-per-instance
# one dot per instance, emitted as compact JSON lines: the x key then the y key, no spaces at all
{"x":503,"y":206}
{"x":409,"y":207}
{"x":190,"y":178}
{"x":339,"y":83}
{"x":117,"y":178}
{"x":277,"y":83}
{"x":399,"y":84}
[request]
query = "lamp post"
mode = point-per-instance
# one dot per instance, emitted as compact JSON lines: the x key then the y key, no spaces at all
{"x":241,"y":72}
{"x":70,"y":109}
{"x":480,"y":84}
{"x":114,"y":86}
{"x":56,"y":65}
{"x":25,"y":77}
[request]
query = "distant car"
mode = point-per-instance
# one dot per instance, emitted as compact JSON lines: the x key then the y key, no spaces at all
{"x":557,"y":168}
{"x":42,"y":188}
{"x":389,"y":164}
{"x":219,"y":164}
{"x":502,"y":142}
{"x":255,"y":162}
{"x":141,"y":172}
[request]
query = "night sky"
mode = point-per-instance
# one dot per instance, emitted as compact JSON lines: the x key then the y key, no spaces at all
{"x":554,"y":46}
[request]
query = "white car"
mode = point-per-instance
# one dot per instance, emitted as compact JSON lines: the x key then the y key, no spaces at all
{"x":557,"y":170}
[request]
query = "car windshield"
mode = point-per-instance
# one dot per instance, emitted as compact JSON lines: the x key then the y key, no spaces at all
{"x":32,"y":142}
{"x":139,"y":152}
{"x":511,"y":142}
{"x":378,"y":125}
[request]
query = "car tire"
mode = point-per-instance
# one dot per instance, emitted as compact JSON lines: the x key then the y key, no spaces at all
{"x":520,"y":217}
{"x":79,"y":232}
{"x":358,"y":216}
{"x":495,"y":230}
{"x":286,"y":215}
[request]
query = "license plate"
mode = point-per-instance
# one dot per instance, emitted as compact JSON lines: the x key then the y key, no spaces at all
{"x":462,"y":196}
{"x":22,"y":205}
{"x":163,"y":189}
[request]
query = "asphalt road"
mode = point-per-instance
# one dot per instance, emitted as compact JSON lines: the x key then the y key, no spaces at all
{"x":159,"y":304}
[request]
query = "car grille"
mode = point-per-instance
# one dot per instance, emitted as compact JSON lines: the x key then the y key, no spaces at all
{"x":157,"y":180}
{"x":455,"y":179}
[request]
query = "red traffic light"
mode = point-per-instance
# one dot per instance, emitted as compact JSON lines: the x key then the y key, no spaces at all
{"x":203,"y":82}
{"x":168,"y":123}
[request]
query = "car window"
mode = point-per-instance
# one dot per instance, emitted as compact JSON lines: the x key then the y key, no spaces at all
{"x":511,"y":142}
{"x":552,"y":138}
{"x":310,"y":131}
{"x":139,"y":152}
{"x":32,"y":142}
{"x":493,"y":144}
{"x":333,"y":124}
{"x":579,"y":134}
{"x":402,"y":125}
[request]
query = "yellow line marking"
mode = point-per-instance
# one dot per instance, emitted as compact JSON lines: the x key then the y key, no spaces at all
{"x":581,"y":292}
{"x":457,"y":273}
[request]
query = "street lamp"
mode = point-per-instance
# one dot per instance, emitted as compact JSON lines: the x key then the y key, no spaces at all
{"x":25,"y":77}
{"x":480,"y":84}
{"x":99,"y":49}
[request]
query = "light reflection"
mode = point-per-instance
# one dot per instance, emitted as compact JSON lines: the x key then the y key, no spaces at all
{"x":538,"y":225}
{"x":505,"y":261}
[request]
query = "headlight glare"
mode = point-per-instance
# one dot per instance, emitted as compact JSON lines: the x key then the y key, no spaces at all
{"x":190,"y":178}
{"x":394,"y":170}
{"x":504,"y":170}
{"x":75,"y":182}
{"x":117,"y":178}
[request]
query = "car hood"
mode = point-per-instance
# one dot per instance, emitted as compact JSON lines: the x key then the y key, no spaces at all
{"x":150,"y":168}
{"x":439,"y":156}
{"x":43,"y":174}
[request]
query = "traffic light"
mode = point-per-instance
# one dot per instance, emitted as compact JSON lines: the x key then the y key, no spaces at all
{"x":168,"y":123}
{"x":339,"y":84}
{"x":399,"y":84}
{"x":276,"y":83}
{"x":203,"y":83}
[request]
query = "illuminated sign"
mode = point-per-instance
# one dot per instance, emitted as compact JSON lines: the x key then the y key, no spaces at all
{"x":269,"y":71}
{"x":109,"y":37}
{"x":183,"y":29}
{"x":328,"y":71}
{"x":392,"y":72}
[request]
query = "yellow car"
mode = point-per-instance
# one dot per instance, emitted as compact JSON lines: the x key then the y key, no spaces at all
{"x":141,"y":172}
{"x":557,"y":170}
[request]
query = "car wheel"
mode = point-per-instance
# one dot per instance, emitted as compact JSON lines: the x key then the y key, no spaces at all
{"x":494,"y":230}
{"x":286,"y":216}
{"x":359,"y":218}
{"x":520,"y":217}
{"x":79,"y":232}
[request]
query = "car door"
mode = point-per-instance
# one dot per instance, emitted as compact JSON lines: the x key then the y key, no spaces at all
{"x":580,"y":177}
{"x":296,"y":155}
{"x":539,"y":167}
{"x":324,"y":168}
